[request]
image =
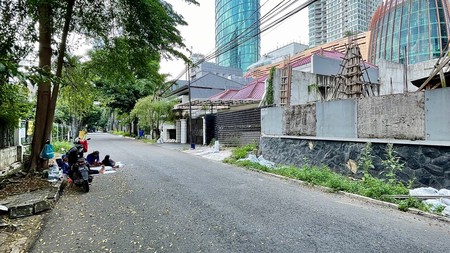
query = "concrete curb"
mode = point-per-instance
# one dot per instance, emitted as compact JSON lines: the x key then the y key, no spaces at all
{"x":356,"y":196}
{"x":32,"y":203}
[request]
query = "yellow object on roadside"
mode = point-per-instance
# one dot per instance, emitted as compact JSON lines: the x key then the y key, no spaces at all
{"x":82,"y":134}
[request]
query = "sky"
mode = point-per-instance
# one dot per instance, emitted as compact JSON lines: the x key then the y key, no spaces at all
{"x":200,"y":32}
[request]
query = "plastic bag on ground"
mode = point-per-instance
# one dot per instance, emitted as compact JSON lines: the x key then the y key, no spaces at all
{"x":434,"y":204}
{"x":446,"y":211}
{"x":423,"y":191}
{"x":54,"y":174}
{"x":216,"y":147}
{"x":446,"y":201}
{"x":265,"y":162}
{"x":444,"y":192}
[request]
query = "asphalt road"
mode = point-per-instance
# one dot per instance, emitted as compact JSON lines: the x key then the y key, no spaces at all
{"x":165,"y":200}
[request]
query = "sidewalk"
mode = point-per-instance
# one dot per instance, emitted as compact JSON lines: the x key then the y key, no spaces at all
{"x":202,"y":151}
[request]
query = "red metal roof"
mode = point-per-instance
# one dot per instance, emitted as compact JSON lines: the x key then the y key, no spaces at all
{"x":252,"y":91}
{"x":226,"y":94}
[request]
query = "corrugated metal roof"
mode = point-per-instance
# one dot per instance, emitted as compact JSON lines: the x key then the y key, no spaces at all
{"x":227,"y":94}
{"x":254,"y":91}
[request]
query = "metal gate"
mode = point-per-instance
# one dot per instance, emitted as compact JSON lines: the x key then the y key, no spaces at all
{"x":236,"y":128}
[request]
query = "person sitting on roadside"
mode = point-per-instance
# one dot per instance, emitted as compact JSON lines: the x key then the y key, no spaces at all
{"x":93,"y":159}
{"x":65,"y":165}
{"x":107,"y":161}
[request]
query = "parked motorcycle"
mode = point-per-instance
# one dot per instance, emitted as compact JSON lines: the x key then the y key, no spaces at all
{"x":79,"y":174}
{"x":78,"y":167}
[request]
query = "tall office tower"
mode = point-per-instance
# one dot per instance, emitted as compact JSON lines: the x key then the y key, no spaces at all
{"x":237,"y":33}
{"x":410,"y":30}
{"x":330,"y":20}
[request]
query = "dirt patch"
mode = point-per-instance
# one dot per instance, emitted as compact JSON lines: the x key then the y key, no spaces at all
{"x":17,"y":185}
{"x":18,"y":235}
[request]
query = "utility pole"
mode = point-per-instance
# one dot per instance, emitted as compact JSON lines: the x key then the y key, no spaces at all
{"x":190,"y":107}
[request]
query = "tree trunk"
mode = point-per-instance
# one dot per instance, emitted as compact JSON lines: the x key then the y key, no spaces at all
{"x":46,"y":101}
{"x":43,"y":93}
{"x":135,"y":127}
{"x":59,"y":66}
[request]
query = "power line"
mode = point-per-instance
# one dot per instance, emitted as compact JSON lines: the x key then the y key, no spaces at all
{"x":244,"y":36}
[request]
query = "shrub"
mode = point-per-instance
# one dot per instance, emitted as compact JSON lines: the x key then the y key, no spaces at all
{"x":61,"y":147}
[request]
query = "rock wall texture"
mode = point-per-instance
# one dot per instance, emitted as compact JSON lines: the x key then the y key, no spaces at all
{"x":425,"y":165}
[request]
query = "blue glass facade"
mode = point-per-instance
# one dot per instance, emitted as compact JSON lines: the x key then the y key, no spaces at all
{"x":417,"y":29}
{"x":237,"y":33}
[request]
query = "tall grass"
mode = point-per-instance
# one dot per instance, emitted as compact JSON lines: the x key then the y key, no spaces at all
{"x":369,"y":186}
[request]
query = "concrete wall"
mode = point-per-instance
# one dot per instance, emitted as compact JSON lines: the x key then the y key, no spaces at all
{"x":272,"y":120}
{"x":328,"y":67}
{"x":409,"y":116}
{"x":325,"y":66}
{"x":336,"y":118}
{"x":300,"y":120}
{"x":400,"y":116}
{"x":420,"y":70}
{"x":424,"y":165}
{"x":392,"y":77}
{"x":8,"y":156}
{"x":299,"y":87}
{"x":437,"y":114}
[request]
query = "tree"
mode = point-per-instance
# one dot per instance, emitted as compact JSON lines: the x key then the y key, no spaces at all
{"x":121,"y":91}
{"x":152,"y":113}
{"x":14,"y":104}
{"x":348,"y":34}
{"x":149,"y":24}
{"x":77,"y":92}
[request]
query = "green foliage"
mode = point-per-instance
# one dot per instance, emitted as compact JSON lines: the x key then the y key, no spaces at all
{"x":269,"y":91}
{"x":151,"y":141}
{"x":77,"y":94}
{"x":14,"y":104}
{"x":365,"y":162}
{"x":314,"y":87}
{"x":369,"y":187}
{"x":252,"y":165}
{"x":122,"y":133}
{"x":241,"y":152}
{"x":212,"y":142}
{"x":348,"y":34}
{"x":439,"y":209}
{"x":151,"y":113}
{"x":125,"y":73}
{"x":93,"y":118}
{"x":392,"y":163}
{"x":410,"y":202}
{"x":61,"y":147}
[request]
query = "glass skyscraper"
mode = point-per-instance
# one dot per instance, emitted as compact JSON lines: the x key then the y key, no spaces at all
{"x":418,"y":29}
{"x":330,"y":20}
{"x":237,"y":33}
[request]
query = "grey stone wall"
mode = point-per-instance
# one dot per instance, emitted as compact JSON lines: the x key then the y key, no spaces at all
{"x":399,"y":116}
{"x":8,"y":156}
{"x":300,"y":120}
{"x":426,"y":165}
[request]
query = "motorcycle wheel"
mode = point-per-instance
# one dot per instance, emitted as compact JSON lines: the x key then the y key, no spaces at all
{"x":86,"y":185}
